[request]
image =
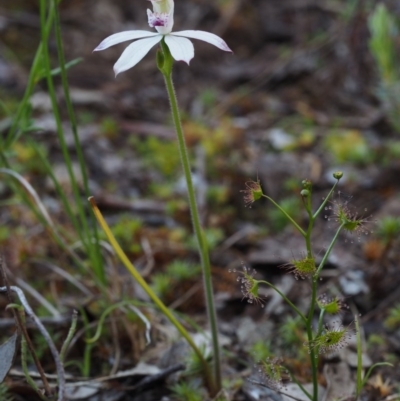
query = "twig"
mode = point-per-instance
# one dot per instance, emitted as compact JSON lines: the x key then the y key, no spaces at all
{"x":22,"y":328}
{"x":36,"y":295}
{"x":46,"y":335}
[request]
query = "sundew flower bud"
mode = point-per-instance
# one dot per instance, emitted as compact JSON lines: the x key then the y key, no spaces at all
{"x":249,"y":285}
{"x":252,"y":193}
{"x":307,"y":184}
{"x":338,"y":175}
{"x":301,"y":268}
{"x":271,"y":373}
{"x":332,"y":306}
{"x":332,"y":340}
{"x":305,"y":193}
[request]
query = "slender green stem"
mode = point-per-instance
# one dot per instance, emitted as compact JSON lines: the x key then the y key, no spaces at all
{"x":285,"y":298}
{"x":70,"y":335}
{"x":328,"y":251}
{"x":310,"y":337}
{"x":301,"y":231}
{"x":325,"y":201}
{"x":306,"y":393}
{"x":312,"y":351}
{"x":202,"y":243}
{"x":359,"y":359}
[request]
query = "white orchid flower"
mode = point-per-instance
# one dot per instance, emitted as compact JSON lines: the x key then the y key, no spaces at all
{"x":162,"y":19}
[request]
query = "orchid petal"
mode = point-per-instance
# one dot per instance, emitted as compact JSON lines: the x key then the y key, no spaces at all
{"x":181,"y":48}
{"x":206,"y":37}
{"x":134,"y":53}
{"x":122,"y":37}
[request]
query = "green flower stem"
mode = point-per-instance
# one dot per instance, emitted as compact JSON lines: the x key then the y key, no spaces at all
{"x":285,"y":298}
{"x":313,"y":359}
{"x":136,"y":275}
{"x":306,"y":393}
{"x":165,"y":62}
{"x":309,"y":330}
{"x":325,"y":201}
{"x":328,"y":251}
{"x":310,"y":337}
{"x":359,"y":359}
{"x":301,"y":231}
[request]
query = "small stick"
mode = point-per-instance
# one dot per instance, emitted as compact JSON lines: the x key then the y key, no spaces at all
{"x":22,"y":328}
{"x":46,"y":335}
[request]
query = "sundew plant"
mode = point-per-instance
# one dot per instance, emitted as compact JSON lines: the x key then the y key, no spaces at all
{"x":322,"y":338}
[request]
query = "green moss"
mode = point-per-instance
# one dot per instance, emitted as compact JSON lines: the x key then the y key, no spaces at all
{"x":349,"y":146}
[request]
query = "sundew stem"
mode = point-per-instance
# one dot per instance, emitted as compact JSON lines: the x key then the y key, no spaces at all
{"x":165,"y":62}
{"x":325,"y":201}
{"x":314,"y":352}
{"x":301,"y":231}
{"x":285,"y":298}
{"x":328,"y":251}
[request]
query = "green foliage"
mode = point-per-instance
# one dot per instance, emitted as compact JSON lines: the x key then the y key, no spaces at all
{"x":187,"y":391}
{"x":277,"y":220}
{"x":217,"y":194}
{"x":158,"y":154}
{"x":375,"y":340}
{"x":388,"y":228}
{"x":384,"y":31}
{"x":208,"y":97}
{"x":109,"y":127}
{"x":5,"y":233}
{"x":213,"y":235}
{"x":261,"y":350}
{"x":86,"y":117}
{"x":4,"y":394}
{"x":384,"y":34}
{"x":175,"y":273}
{"x":181,"y":270}
{"x":126,"y":230}
{"x":393,"y":320}
{"x":291,"y":332}
{"x":25,"y":158}
{"x":161,"y":284}
{"x":348,"y":146}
